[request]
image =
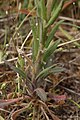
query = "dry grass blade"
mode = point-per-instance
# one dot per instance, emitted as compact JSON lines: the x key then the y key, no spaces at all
{"x":1,"y":109}
{"x":26,"y":39}
{"x":69,"y":42}
{"x":16,"y":113}
{"x":69,"y":19}
{"x":13,"y":59}
{"x":1,"y":118}
{"x":23,"y":21}
{"x":44,"y":113}
{"x":54,"y":117}
{"x":4,"y":103}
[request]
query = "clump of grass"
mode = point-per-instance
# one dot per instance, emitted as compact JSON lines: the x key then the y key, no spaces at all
{"x":34,"y":79}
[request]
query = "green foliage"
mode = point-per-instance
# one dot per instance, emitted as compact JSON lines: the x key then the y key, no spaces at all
{"x":21,"y":63}
{"x":37,"y":70}
{"x":43,"y":46}
{"x":43,"y":9}
{"x":55,"y":14}
{"x":51,"y":34}
{"x":75,"y":103}
{"x":69,"y":37}
{"x":50,"y":49}
{"x":17,"y":70}
{"x":27,"y":4}
{"x":45,"y":72}
{"x":35,"y":39}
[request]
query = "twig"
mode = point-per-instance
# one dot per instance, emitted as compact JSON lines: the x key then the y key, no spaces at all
{"x":69,"y":19}
{"x":69,"y":42}
{"x":71,"y":91}
{"x":13,"y":59}
{"x":26,"y":39}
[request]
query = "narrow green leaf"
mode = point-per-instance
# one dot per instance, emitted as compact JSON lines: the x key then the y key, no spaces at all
{"x":50,"y":50}
{"x":55,"y":15}
{"x":21,"y":62}
{"x":54,"y":5}
{"x":75,"y":103}
{"x":57,"y":69}
{"x":37,"y":4}
{"x":25,"y":4}
{"x":68,"y":36}
{"x":66,"y":33}
{"x":49,"y":8}
{"x":43,"y":9}
{"x":30,"y":4}
{"x":45,"y":72}
{"x":17,"y":70}
{"x":52,"y":69}
{"x":53,"y":31}
{"x":35,"y":39}
{"x":40,"y":34}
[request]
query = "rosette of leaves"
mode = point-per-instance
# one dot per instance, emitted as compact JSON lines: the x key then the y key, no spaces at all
{"x":43,"y":46}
